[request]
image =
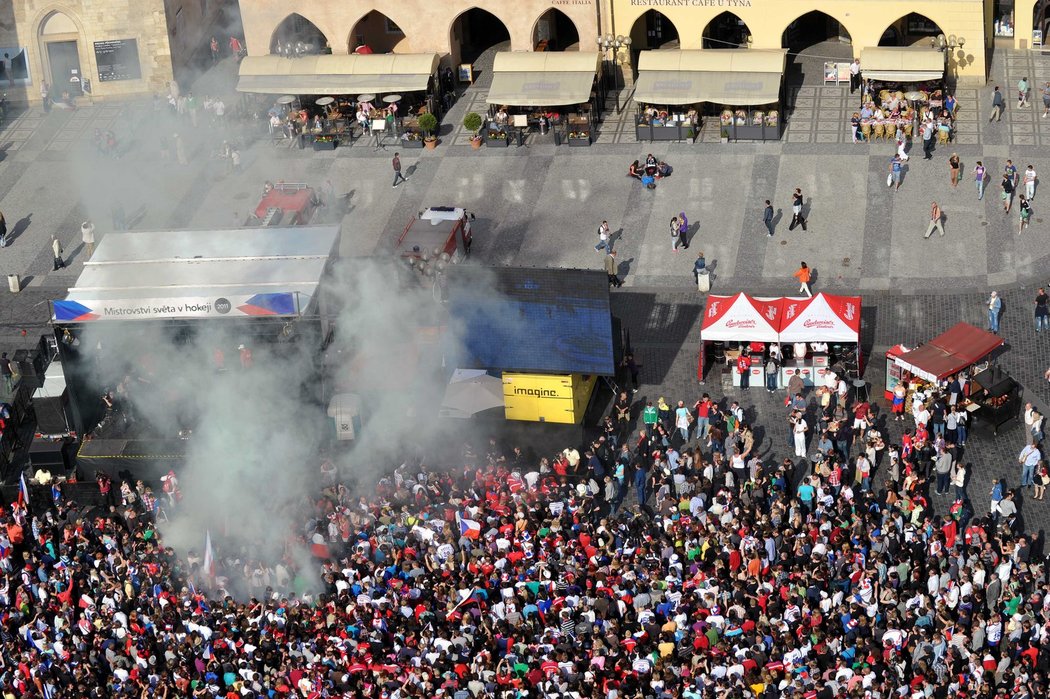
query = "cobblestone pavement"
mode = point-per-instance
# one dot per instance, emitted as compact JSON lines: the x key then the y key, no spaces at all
{"x":539,"y":205}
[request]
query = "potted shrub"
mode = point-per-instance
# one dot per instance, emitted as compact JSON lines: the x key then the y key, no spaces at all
{"x":472,"y":123}
{"x":428,"y":124}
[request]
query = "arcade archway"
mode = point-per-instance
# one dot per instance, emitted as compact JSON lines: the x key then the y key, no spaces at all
{"x":297,"y":36}
{"x":653,"y":31}
{"x":555,"y":31}
{"x":911,"y":30}
{"x":814,"y":28}
{"x":726,"y":31}
{"x":475,"y":31}
{"x":376,"y":33}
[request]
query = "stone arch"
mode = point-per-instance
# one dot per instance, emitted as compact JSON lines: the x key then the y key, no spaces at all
{"x":726,"y":30}
{"x":380,"y":32}
{"x":653,"y":30}
{"x":475,"y":30}
{"x":911,"y":29}
{"x":58,"y":24}
{"x":296,"y":28}
{"x":814,"y":26}
{"x":557,"y":29}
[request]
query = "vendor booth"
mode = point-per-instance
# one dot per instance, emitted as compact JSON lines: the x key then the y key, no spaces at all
{"x":809,"y":335}
{"x":543,"y":91}
{"x":745,"y":82}
{"x":957,"y":350}
{"x":995,"y":399}
{"x":341,"y":82}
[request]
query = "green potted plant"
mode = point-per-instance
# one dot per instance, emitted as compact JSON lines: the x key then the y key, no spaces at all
{"x":472,"y":123}
{"x":428,"y":124}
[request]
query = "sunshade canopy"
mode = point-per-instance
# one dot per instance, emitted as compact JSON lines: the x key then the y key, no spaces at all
{"x":337,"y":75}
{"x":542,"y":78}
{"x":823,"y":318}
{"x":958,"y":348}
{"x":742,"y":317}
{"x":721,"y":76}
{"x":901,"y":63}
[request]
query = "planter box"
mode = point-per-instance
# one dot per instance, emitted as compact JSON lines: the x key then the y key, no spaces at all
{"x":325,"y":145}
{"x":772,"y":133}
{"x":643,"y":132}
{"x":411,"y":144}
{"x":497,"y":142}
{"x":579,"y":142}
{"x":750,"y":133}
{"x":667,"y":133}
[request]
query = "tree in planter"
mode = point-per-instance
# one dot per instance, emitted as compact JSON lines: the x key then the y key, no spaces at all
{"x":428,"y":124}
{"x":472,"y":122}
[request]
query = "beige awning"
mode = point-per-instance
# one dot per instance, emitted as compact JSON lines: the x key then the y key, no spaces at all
{"x":906,"y":64}
{"x":337,"y":75}
{"x":722,"y":76}
{"x":543,"y":78}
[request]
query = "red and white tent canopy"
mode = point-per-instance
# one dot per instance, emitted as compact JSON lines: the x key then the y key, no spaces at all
{"x":742,"y":317}
{"x":823,"y":318}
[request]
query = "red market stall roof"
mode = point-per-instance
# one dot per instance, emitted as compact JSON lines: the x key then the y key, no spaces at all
{"x":742,"y":317}
{"x":822,"y":318}
{"x":960,"y":347}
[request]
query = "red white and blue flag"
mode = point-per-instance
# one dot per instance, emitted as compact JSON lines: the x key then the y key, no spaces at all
{"x":469,"y":528}
{"x":23,"y":490}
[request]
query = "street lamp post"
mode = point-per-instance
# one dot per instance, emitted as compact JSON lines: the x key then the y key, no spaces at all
{"x":611,"y":46}
{"x":947,"y":45}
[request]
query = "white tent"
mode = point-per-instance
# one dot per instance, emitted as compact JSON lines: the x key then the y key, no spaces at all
{"x":470,"y":391}
{"x":741,"y":318}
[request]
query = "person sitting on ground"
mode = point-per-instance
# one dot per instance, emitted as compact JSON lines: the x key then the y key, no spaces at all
{"x":650,"y":161}
{"x":648,"y":181}
{"x":663,"y":169}
{"x":635,"y":170}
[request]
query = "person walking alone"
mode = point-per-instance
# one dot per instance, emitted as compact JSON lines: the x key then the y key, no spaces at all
{"x":1042,"y":310}
{"x":995,"y":306}
{"x":997,"y":105}
{"x":804,"y":274}
{"x":1008,"y":192}
{"x":603,"y":237}
{"x":895,"y":172}
{"x":1024,"y":210}
{"x":87,"y":237}
{"x":1022,"y":92}
{"x":1029,"y":182}
{"x":935,"y":220}
{"x":396,"y":164}
{"x":954,"y":167}
{"x":3,"y":230}
{"x":797,"y":219}
{"x":978,"y":178}
{"x":928,"y":129}
{"x":56,"y":250}
{"x":767,"y":218}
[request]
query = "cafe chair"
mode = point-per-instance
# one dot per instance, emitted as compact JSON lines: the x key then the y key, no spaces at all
{"x":880,"y":131}
{"x":908,"y":129}
{"x":943,"y":136}
{"x":891,"y":131}
{"x":865,"y":130}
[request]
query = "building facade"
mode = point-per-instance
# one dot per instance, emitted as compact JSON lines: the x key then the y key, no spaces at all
{"x":95,"y":48}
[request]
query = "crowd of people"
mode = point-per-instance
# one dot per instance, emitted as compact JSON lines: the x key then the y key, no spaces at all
{"x":676,"y":560}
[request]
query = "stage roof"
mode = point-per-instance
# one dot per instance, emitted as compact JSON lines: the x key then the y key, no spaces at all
{"x":532,"y":320}
{"x":201,"y":273}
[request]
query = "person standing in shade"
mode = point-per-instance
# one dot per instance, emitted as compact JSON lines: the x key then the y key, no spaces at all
{"x":683,"y":231}
{"x":1042,"y":310}
{"x":935,"y":220}
{"x":978,"y":178}
{"x":854,"y":75}
{"x":396,"y":164}
{"x":997,"y":105}
{"x":804,"y":274}
{"x":3,"y":230}
{"x":743,"y":367}
{"x":56,"y":250}
{"x":611,"y":267}
{"x":767,"y":218}
{"x":87,"y":237}
{"x":797,"y":219}
{"x":6,"y":371}
{"x":995,"y":306}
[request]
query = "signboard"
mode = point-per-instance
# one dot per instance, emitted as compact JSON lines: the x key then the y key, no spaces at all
{"x":466,"y":73}
{"x":82,"y":311}
{"x":546,"y":397}
{"x":117,"y":59}
{"x":13,"y":66}
{"x":836,"y":72}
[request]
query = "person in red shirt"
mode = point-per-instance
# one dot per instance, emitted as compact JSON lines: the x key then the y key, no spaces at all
{"x":743,"y":367}
{"x":860,"y":418}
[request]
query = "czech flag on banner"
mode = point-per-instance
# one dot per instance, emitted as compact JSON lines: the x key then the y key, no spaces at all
{"x":469,"y":528}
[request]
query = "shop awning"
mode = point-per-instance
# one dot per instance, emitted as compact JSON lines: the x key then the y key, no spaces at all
{"x":907,"y":64}
{"x":721,"y":76}
{"x":337,"y":75}
{"x":823,"y":318}
{"x":543,"y":79}
{"x":962,"y":346}
{"x":741,"y":317}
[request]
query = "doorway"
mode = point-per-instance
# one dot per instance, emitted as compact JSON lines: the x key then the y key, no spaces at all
{"x":65,"y":68}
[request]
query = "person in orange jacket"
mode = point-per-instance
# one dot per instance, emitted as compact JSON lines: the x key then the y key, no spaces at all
{"x":803,"y":276}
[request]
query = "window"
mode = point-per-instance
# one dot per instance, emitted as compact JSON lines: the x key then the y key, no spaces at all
{"x":1004,"y":18}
